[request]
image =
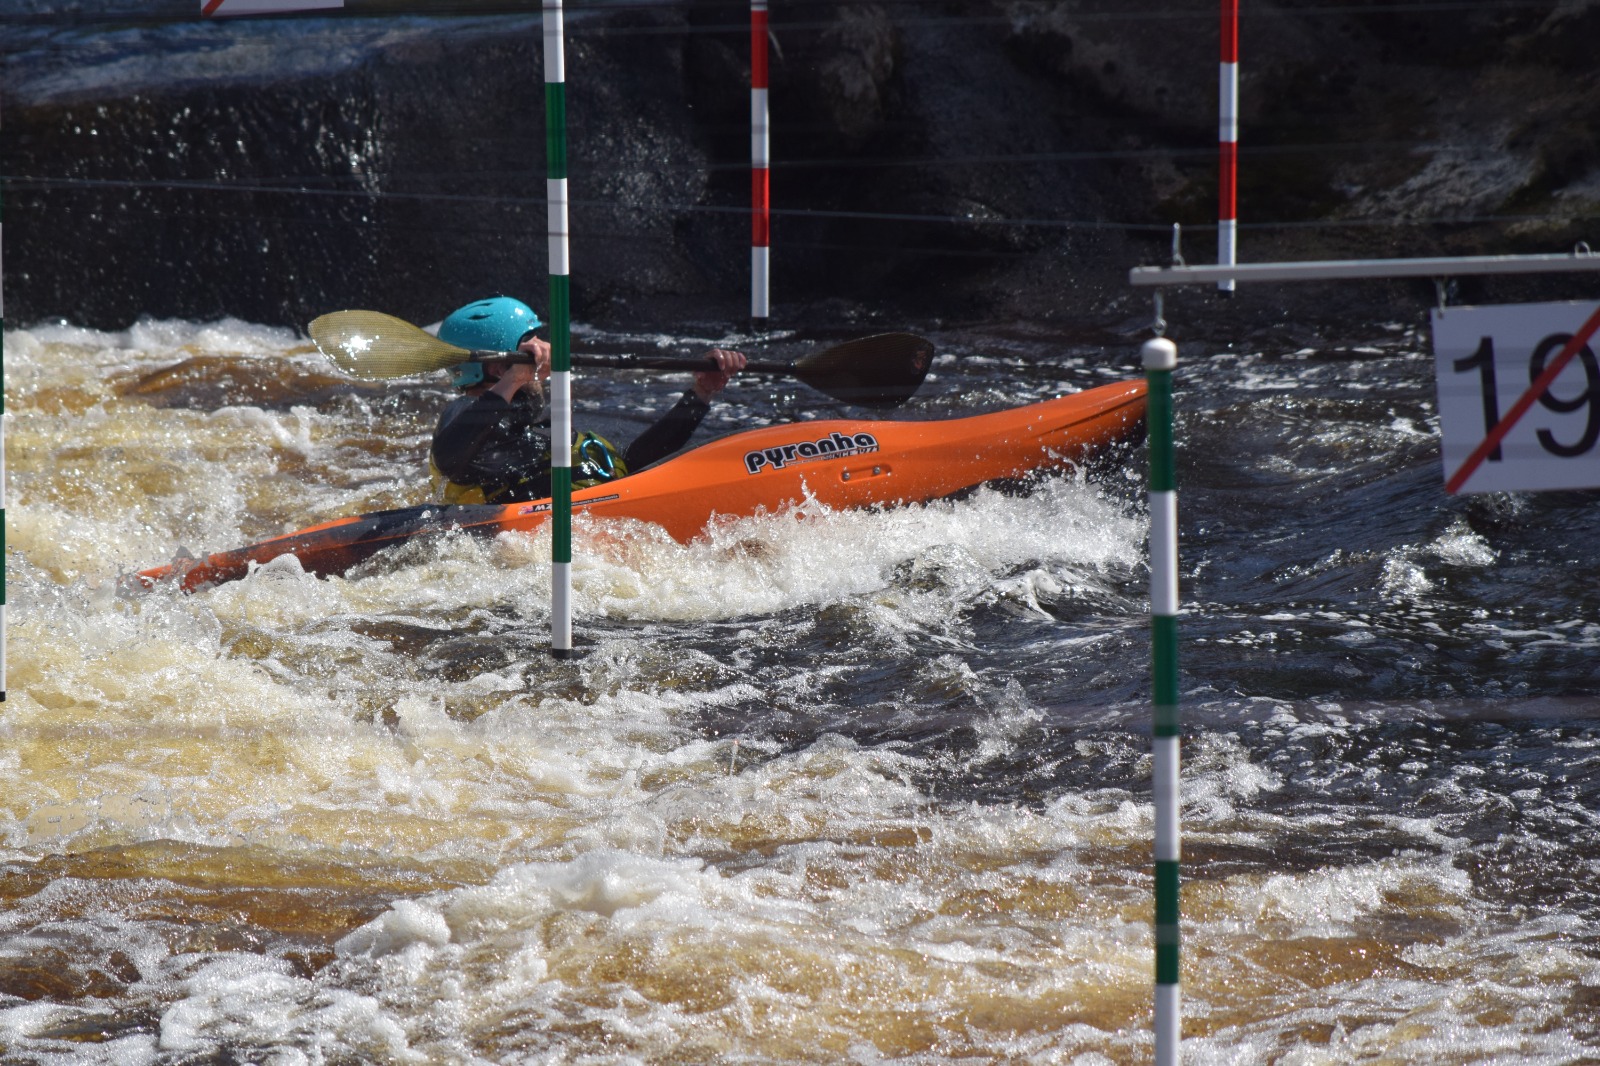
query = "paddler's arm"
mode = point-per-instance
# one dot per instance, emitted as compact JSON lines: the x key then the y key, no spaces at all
{"x":674,"y":429}
{"x":464,"y":429}
{"x":462,"y":433}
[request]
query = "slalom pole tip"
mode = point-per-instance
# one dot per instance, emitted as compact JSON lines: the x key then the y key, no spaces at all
{"x":1159,"y":353}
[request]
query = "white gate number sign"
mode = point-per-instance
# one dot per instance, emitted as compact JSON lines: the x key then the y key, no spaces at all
{"x":1519,"y":396}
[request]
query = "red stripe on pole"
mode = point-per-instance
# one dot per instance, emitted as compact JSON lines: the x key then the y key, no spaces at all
{"x":758,"y":49}
{"x":1230,"y":31}
{"x":210,"y":8}
{"x":1520,"y":408}
{"x":761,"y":228}
{"x":1227,"y":181}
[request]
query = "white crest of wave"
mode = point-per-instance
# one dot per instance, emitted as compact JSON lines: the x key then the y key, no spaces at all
{"x":632,"y":571}
{"x":763,"y":566}
{"x":148,"y":341}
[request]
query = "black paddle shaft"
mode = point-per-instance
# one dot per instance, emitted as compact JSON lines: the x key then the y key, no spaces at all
{"x":631,"y":362}
{"x":880,"y":371}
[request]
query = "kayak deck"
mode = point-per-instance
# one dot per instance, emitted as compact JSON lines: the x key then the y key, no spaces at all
{"x":841,"y":463}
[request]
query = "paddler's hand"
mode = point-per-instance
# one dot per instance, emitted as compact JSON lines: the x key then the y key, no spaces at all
{"x":514,"y":377}
{"x":707,"y":383}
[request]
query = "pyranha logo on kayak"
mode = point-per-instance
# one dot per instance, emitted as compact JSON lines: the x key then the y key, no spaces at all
{"x":833,"y":446}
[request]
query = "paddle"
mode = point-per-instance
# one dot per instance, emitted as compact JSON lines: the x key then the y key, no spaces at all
{"x":879,"y":371}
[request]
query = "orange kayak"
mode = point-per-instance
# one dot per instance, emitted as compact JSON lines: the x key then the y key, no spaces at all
{"x":842,"y":463}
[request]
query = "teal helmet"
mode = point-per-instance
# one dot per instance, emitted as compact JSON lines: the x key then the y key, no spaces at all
{"x":497,"y":324}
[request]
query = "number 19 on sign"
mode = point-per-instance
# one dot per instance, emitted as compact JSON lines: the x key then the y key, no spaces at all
{"x":1489,"y":362}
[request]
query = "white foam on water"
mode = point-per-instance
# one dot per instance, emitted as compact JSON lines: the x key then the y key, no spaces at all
{"x":1406,"y":568}
{"x":248,"y":1002}
{"x":794,"y":954}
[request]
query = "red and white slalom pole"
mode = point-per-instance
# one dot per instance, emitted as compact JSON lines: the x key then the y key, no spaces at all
{"x":1228,"y":144}
{"x":760,"y":203}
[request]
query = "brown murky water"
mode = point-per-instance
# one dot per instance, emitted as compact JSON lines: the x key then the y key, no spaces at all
{"x":860,"y":788}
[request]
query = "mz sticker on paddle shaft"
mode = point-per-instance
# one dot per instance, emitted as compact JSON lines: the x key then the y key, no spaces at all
{"x":833,"y":446}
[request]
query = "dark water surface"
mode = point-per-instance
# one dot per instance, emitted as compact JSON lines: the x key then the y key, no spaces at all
{"x":859,"y":787}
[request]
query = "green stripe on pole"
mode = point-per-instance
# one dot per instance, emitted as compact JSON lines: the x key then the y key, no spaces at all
{"x":560,"y":322}
{"x":1167,"y":946}
{"x":1164,"y":674}
{"x":1167,"y":901}
{"x":1159,"y":421}
{"x":555,"y":124}
{"x":561,"y":534}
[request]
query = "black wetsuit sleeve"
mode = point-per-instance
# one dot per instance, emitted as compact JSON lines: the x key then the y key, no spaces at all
{"x":458,"y":439}
{"x":671,"y":432}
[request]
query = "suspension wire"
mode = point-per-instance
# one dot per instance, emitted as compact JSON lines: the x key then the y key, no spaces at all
{"x":867,"y":163}
{"x":16,"y":184}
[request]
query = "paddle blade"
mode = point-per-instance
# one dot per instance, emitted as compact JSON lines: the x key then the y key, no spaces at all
{"x":369,"y":344}
{"x":880,"y":371}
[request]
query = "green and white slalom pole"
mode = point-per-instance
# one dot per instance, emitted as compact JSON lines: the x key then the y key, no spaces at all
{"x":555,"y":132}
{"x":1160,"y":359}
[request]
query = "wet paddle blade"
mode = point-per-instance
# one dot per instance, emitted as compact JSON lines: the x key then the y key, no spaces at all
{"x":370,"y":344}
{"x":879,"y":371}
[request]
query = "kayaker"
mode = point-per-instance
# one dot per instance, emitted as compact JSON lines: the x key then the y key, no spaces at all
{"x":492,"y":443}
